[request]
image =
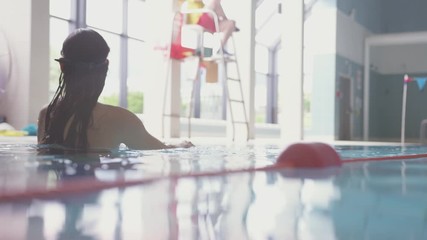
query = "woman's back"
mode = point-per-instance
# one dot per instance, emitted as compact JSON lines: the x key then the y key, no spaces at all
{"x":105,"y":128}
{"x":111,"y":126}
{"x":115,"y":125}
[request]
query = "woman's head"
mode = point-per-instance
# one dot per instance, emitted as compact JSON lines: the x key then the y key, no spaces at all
{"x":84,"y":52}
{"x":85,"y":45}
{"x":84,"y":67}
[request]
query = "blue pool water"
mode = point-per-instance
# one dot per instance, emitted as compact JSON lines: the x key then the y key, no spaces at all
{"x":366,"y":200}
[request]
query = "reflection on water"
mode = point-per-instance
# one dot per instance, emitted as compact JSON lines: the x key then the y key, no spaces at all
{"x":347,"y":152}
{"x":24,"y":168}
{"x":371,"y":200}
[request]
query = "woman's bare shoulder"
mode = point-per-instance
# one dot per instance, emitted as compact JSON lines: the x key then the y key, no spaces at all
{"x":42,"y":114}
{"x":106,"y":108}
{"x":115,"y":113}
{"x":43,"y":110}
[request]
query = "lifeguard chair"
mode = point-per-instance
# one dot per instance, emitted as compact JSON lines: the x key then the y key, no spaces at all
{"x":184,"y":22}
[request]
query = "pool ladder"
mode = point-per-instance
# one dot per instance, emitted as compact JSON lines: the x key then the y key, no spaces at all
{"x":236,"y":102}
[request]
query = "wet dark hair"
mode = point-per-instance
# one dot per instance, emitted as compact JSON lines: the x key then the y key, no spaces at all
{"x":84,"y":67}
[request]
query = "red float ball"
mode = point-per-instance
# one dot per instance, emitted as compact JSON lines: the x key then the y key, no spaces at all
{"x":309,"y":155}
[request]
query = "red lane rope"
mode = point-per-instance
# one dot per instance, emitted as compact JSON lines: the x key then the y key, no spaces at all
{"x":89,"y":184}
{"x":86,"y":185}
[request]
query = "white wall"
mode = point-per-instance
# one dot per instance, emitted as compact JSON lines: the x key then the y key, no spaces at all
{"x":392,"y":59}
{"x":350,"y":42}
{"x":26,"y":26}
{"x":321,"y":32}
{"x":291,"y":71}
{"x":320,"y":57}
{"x":400,"y":59}
{"x":339,"y":35}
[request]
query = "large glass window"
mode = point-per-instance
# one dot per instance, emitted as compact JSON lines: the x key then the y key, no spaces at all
{"x":138,"y":62}
{"x":60,"y":28}
{"x":60,"y":20}
{"x":105,"y":14}
{"x":111,"y":92}
{"x":267,"y":39}
{"x":60,"y":8}
{"x":262,"y":75}
{"x":138,"y":19}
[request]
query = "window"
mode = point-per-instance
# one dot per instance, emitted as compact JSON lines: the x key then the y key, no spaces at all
{"x":60,"y":28}
{"x":138,"y":19}
{"x":60,"y":19}
{"x":105,"y":14}
{"x":267,"y":39}
{"x":60,"y":8}
{"x":262,"y":64}
{"x":111,"y":92}
{"x":138,"y":62}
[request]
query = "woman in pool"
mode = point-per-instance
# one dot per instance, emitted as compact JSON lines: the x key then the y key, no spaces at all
{"x":74,"y":118}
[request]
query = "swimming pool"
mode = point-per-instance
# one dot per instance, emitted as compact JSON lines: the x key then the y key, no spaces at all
{"x":362,"y":200}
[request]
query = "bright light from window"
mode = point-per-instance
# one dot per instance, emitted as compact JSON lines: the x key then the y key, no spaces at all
{"x":60,"y":8}
{"x":110,"y":94}
{"x":104,"y":14}
{"x":138,"y":20}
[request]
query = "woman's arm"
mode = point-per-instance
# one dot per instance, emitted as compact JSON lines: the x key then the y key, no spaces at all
{"x":136,"y":136}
